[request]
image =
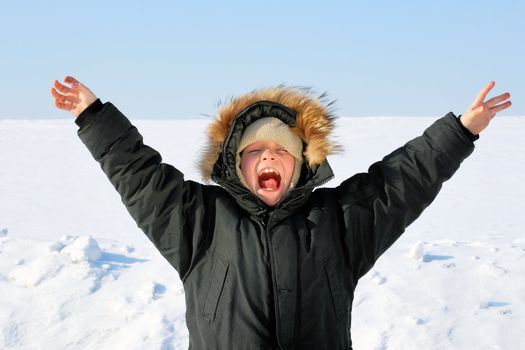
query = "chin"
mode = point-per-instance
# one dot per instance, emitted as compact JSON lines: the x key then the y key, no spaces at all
{"x":270,"y":198}
{"x":269,"y":202}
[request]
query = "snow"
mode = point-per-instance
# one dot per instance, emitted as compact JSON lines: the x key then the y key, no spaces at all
{"x":77,"y":273}
{"x":417,"y":251}
{"x":84,"y":248}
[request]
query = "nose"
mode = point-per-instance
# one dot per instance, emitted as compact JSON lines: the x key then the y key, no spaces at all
{"x":268,"y":155}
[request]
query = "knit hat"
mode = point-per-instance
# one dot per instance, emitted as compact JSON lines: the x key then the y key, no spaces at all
{"x":273,"y":129}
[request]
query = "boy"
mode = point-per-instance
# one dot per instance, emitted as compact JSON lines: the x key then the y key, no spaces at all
{"x":266,"y":261}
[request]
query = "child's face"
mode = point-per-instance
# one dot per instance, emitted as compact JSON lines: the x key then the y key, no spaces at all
{"x":267,"y":169}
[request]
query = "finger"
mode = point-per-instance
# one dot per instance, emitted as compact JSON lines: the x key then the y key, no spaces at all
{"x":495,"y":100}
{"x":55,"y":93}
{"x":483,"y":94}
{"x":65,"y":98}
{"x":63,"y":88}
{"x":63,"y":105}
{"x":71,"y":80}
{"x":501,"y":107}
{"x":58,"y":96}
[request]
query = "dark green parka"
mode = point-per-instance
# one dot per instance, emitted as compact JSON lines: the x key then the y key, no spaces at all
{"x":272,"y":278}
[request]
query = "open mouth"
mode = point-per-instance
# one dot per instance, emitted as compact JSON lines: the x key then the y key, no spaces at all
{"x":269,"y":179}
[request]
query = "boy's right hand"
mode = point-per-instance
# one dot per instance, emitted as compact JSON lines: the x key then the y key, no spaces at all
{"x":74,"y":99}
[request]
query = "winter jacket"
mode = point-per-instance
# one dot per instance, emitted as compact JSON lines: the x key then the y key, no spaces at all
{"x":257,"y":277}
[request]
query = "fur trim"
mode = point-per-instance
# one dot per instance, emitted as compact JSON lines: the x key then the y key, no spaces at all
{"x":314,"y":124}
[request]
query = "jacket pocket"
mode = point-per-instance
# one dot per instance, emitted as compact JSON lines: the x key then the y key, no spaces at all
{"x":218,"y":277}
{"x":336,"y":290}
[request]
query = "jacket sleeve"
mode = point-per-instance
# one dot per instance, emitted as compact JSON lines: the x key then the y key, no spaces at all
{"x":378,"y":205}
{"x":168,"y":209}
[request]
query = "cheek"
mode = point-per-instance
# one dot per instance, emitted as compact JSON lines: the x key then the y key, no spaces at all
{"x":247,"y":167}
{"x":289,"y":165}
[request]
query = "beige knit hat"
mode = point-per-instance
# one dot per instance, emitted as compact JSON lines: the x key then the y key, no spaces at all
{"x":273,"y":129}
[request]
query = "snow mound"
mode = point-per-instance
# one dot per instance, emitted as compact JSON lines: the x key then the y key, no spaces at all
{"x":150,"y":291}
{"x":35,"y":272}
{"x":377,"y":278}
{"x":55,"y":246}
{"x":417,"y":251}
{"x":45,"y":261}
{"x":84,"y":248}
{"x":492,"y":269}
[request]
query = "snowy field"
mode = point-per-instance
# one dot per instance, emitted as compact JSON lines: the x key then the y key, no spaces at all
{"x":76,"y":272}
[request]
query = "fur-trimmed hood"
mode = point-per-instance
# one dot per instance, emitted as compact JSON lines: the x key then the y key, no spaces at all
{"x":314,"y":124}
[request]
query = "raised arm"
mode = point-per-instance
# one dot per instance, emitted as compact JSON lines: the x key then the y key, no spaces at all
{"x":378,"y":205}
{"x":170,"y":210}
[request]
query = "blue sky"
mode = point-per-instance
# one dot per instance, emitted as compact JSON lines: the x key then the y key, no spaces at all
{"x":164,"y":59}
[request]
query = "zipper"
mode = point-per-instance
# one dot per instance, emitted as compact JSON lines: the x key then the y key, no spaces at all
{"x":274,"y":287}
{"x":261,"y":217}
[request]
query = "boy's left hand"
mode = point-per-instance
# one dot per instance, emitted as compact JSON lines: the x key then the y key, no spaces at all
{"x":480,"y":113}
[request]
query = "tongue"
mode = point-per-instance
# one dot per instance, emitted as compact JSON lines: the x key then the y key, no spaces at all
{"x":270,"y":183}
